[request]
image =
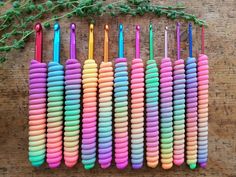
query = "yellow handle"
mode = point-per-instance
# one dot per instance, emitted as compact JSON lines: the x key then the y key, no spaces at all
{"x":106,"y":44}
{"x":90,"y":49}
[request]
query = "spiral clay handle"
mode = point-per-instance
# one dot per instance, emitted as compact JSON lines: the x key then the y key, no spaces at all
{"x":166,"y":109}
{"x":89,"y":121}
{"x":105,"y":108}
{"x":55,"y":89}
{"x":137,"y":107}
{"x":203,"y":85}
{"x":152,"y":112}
{"x":121,"y":109}
{"x":192,"y":104}
{"x":72,"y":105}
{"x":179,"y":105}
{"x":37,"y":103}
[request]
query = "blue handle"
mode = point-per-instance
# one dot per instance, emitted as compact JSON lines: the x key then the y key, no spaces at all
{"x":56,"y":43}
{"x":190,"y":40}
{"x":121,"y":42}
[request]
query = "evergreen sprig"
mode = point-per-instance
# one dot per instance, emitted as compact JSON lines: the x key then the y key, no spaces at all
{"x":16,"y":22}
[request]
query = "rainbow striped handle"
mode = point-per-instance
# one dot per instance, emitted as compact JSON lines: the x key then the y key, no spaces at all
{"x":89,"y":121}
{"x":191,"y":92}
{"x":121,"y":112}
{"x":166,"y":116}
{"x":152,"y":113}
{"x":55,"y":113}
{"x":72,"y":111}
{"x":203,"y":85}
{"x":105,"y":114}
{"x":179,"y":111}
{"x":37,"y":112}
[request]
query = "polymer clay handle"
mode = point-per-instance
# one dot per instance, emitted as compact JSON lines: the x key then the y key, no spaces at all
{"x":72,"y":41}
{"x":179,"y":105}
{"x":38,"y":42}
{"x":152,"y":108}
{"x":137,"y":107}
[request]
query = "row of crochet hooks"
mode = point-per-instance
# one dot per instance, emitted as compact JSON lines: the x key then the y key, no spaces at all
{"x":174,"y":100}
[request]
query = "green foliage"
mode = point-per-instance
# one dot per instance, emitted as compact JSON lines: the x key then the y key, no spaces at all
{"x":16,"y":22}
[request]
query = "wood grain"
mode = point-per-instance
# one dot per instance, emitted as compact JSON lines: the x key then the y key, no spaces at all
{"x":220,"y":47}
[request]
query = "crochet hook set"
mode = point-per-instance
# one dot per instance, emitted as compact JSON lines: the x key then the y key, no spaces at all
{"x":109,"y":112}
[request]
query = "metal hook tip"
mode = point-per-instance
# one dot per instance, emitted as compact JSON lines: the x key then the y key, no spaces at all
{"x":166,"y":28}
{"x":121,"y":27}
{"x":106,"y":27}
{"x":138,"y":27}
{"x":38,"y":27}
{"x":91,"y":27}
{"x":56,"y":26}
{"x":72,"y":26}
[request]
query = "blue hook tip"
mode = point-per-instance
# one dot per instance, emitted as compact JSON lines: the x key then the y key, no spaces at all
{"x":56,"y":26}
{"x":121,"y":27}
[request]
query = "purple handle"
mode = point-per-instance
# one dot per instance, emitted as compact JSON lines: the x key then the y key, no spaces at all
{"x":178,"y":40}
{"x":137,"y":51}
{"x":72,"y":41}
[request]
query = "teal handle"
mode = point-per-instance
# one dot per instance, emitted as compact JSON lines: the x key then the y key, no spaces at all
{"x":151,"y":42}
{"x":56,"y":43}
{"x":121,"y":42}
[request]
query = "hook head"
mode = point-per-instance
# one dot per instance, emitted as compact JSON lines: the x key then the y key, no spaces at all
{"x":106,"y":27}
{"x":38,"y":27}
{"x":56,"y":26}
{"x":72,"y":26}
{"x":121,"y":27}
{"x":137,"y":27}
{"x":91,"y":27}
{"x":150,"y":26}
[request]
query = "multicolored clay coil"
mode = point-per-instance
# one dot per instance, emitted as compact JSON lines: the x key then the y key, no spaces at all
{"x":89,"y":121}
{"x":72,"y":103}
{"x":55,"y":88}
{"x":203,"y":85}
{"x":137,"y":107}
{"x":121,"y":106}
{"x":166,"y":109}
{"x":192,"y":106}
{"x":152,"y":108}
{"x":179,"y":105}
{"x":105,"y":108}
{"x":37,"y":103}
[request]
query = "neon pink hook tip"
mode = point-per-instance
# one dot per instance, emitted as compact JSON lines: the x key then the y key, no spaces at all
{"x":138,"y":27}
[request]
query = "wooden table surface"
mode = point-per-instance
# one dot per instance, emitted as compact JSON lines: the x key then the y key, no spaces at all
{"x":220,"y":47}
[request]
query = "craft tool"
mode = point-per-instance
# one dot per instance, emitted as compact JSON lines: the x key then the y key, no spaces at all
{"x":137,"y":106}
{"x":152,"y":108}
{"x":37,"y":103}
{"x":191,"y":111}
{"x":166,"y":109}
{"x":121,"y":105}
{"x":72,"y":103}
{"x":55,"y":108}
{"x":179,"y":104}
{"x":89,"y":120}
{"x":105,"y":86}
{"x":203,"y":85}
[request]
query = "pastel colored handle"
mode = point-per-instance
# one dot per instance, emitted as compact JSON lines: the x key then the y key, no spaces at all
{"x":37,"y":112}
{"x":152,"y":112}
{"x":192,"y":117}
{"x":166,"y":116}
{"x":55,"y":109}
{"x":105,"y":114}
{"x":179,"y":111}
{"x":72,"y":111}
{"x":203,"y":85}
{"x":121,"y":112}
{"x":89,"y":121}
{"x":137,"y":113}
